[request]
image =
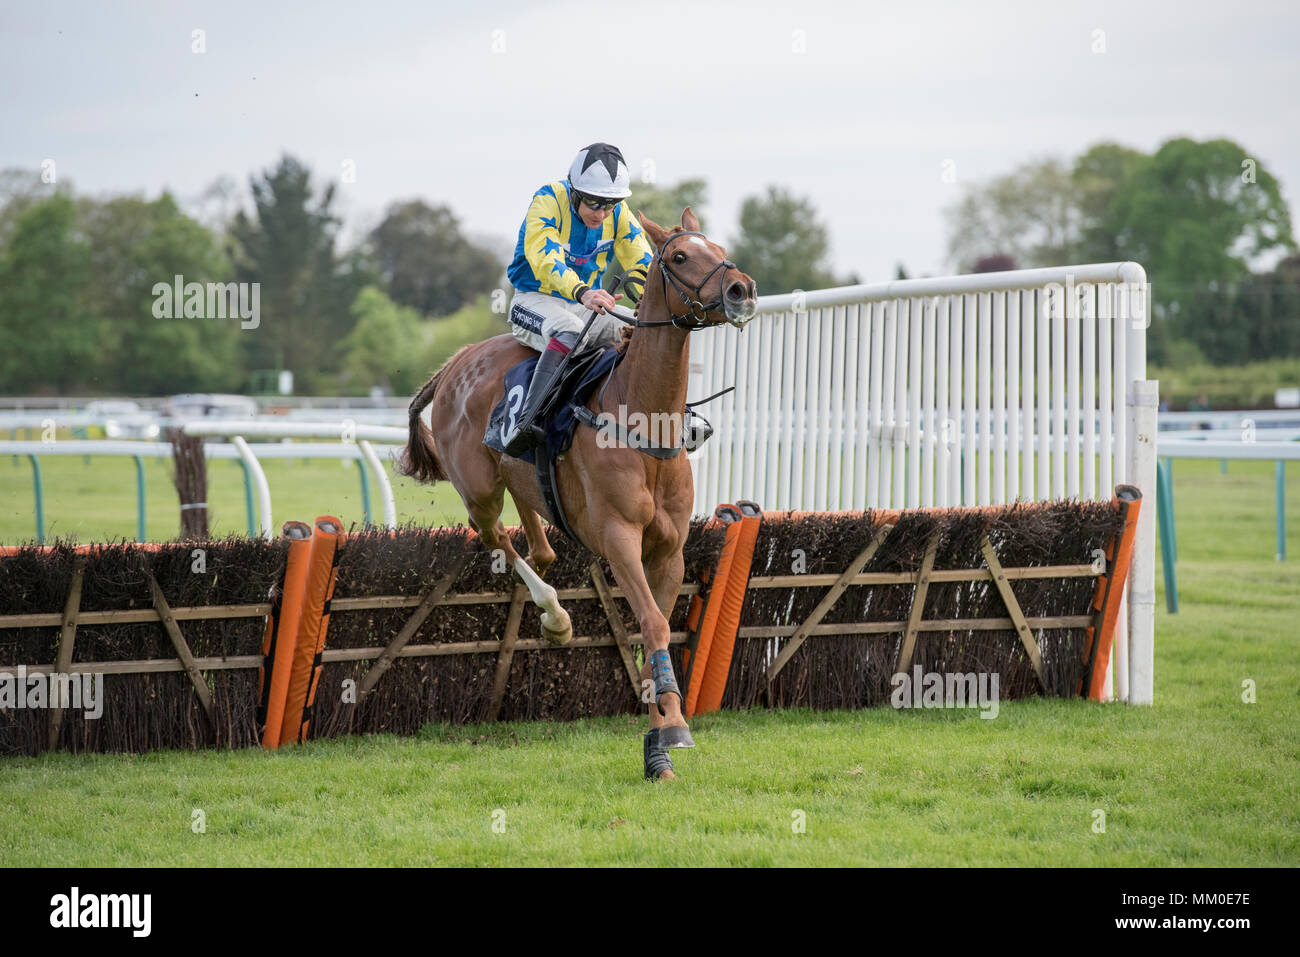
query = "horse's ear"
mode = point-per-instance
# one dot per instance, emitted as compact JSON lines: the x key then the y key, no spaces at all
{"x":656,"y":232}
{"x":689,"y":221}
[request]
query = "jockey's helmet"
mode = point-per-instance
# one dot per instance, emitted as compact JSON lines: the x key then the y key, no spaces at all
{"x":599,"y":171}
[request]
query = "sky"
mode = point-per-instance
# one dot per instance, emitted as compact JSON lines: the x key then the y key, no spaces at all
{"x":879,"y":113}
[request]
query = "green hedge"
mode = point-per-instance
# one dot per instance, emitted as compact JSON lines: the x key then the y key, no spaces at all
{"x":1249,"y":386}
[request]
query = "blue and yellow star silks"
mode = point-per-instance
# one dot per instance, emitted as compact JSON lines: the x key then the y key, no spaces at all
{"x":551,"y":227}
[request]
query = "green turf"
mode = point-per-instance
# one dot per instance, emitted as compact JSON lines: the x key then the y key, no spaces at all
{"x":95,"y":500}
{"x":1202,"y":778}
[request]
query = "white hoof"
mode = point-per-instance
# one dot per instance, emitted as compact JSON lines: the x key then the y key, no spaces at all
{"x":557,"y":628}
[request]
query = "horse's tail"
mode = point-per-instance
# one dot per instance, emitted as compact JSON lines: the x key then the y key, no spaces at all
{"x":418,"y":459}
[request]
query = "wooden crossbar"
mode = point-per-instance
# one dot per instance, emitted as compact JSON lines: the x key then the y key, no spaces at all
{"x":149,"y":666}
{"x":617,"y":627}
{"x":124,"y":616}
{"x":67,"y":638}
{"x":431,"y":598}
{"x":1013,"y":609}
{"x":182,"y":649}
{"x":932,"y":624}
{"x":828,"y":602}
{"x":918,"y":604}
{"x":507,"y":652}
{"x":938,"y":575}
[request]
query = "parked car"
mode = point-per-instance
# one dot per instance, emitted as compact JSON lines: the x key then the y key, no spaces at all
{"x":203,"y":405}
{"x":124,"y":419}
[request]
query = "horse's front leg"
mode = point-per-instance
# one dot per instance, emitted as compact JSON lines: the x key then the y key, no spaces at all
{"x":623,"y":551}
{"x":665,"y":580}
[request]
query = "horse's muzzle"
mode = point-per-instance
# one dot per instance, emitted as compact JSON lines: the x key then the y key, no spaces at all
{"x":738,"y":314}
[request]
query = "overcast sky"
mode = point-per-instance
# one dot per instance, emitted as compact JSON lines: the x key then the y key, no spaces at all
{"x":856,"y":105}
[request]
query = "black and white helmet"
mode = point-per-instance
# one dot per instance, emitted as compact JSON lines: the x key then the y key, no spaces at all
{"x":600,"y":170}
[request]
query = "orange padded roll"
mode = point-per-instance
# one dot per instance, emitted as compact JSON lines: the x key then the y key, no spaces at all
{"x":718,"y":666}
{"x":282,"y":634}
{"x":1129,"y":500}
{"x":312,"y":627}
{"x":731,"y":517}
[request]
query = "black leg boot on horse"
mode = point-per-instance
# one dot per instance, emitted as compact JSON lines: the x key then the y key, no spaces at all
{"x":657,"y":761}
{"x":661,"y":670}
{"x":529,"y":433}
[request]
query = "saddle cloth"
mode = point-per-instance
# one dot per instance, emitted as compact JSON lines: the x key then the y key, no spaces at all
{"x":581,"y":376}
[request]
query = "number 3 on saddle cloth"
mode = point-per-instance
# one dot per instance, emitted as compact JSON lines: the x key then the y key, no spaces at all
{"x":581,"y":376}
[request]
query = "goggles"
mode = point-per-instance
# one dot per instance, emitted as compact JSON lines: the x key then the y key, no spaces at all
{"x":598,"y":202}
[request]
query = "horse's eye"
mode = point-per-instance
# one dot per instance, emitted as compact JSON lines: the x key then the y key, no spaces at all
{"x":679,"y":258}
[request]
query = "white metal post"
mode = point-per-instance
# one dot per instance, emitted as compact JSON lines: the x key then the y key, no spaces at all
{"x":1143,"y":401}
{"x":260,"y":485}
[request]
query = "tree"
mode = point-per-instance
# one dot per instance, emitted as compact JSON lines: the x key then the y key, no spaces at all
{"x":425,"y":262}
{"x":217,"y":205}
{"x":386,"y":345}
{"x":782,"y":244}
{"x":473,"y":323}
{"x":664,"y":204}
{"x":1192,"y":213}
{"x":20,"y":189}
{"x":1030,"y":214}
{"x":287,"y":245}
{"x":48,"y":340}
{"x":1096,"y":178}
{"x":134,"y":244}
{"x":1196,"y":215}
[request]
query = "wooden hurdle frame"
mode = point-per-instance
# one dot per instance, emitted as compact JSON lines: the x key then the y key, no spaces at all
{"x":705,"y":653}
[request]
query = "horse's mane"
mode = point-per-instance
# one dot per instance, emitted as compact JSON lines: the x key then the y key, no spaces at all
{"x":629,"y":330}
{"x":626,"y":340}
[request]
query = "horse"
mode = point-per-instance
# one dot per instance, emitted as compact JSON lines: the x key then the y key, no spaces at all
{"x":629,"y":507}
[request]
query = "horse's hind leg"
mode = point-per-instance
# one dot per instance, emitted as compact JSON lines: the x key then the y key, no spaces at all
{"x":556,"y":627}
{"x":485,"y":516}
{"x":540,"y":552}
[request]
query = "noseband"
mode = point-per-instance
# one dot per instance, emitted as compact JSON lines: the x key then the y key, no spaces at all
{"x":691,"y":299}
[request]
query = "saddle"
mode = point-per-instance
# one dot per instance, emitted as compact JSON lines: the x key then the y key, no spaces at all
{"x":558,"y":416}
{"x":566,"y":408}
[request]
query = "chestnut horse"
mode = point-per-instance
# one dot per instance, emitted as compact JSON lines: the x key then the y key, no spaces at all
{"x":629,"y":507}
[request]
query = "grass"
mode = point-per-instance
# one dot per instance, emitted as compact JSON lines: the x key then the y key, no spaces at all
{"x":1201,"y":779}
{"x":95,"y":499}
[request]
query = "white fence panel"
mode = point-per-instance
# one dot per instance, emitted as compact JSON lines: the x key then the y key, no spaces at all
{"x":964,"y":390}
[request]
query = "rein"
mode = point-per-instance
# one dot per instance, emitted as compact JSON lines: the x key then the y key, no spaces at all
{"x":697,"y":311}
{"x":692,"y":301}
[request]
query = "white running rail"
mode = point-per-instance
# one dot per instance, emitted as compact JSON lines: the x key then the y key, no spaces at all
{"x":967,"y":390}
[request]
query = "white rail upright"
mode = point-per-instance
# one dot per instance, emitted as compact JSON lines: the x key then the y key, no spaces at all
{"x":1015,"y":386}
{"x":345,"y":431}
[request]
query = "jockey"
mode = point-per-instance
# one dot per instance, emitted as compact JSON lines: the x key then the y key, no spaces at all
{"x":564,"y":247}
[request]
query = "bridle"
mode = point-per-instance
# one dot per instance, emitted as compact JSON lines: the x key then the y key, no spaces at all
{"x":691,"y":300}
{"x":697,"y":310}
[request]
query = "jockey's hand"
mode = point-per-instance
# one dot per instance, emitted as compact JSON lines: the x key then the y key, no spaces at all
{"x":599,"y":299}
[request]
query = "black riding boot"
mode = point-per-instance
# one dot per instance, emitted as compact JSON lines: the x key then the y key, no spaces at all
{"x":527,"y":434}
